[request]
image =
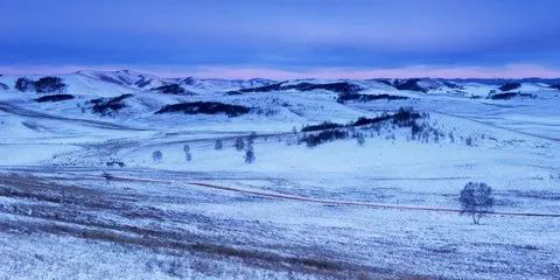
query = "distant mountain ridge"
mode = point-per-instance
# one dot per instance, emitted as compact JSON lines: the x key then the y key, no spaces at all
{"x":138,"y":81}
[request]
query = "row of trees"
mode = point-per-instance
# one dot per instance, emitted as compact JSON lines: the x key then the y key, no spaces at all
{"x":239,"y":145}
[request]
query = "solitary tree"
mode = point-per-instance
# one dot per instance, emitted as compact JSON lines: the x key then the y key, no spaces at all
{"x":239,"y":144}
{"x":251,"y":138}
{"x":187,"y":151}
{"x":108,"y":177}
{"x":157,"y":156}
{"x":361,"y":139}
{"x":249,"y":156}
{"x":219,"y":144}
{"x":476,"y":200}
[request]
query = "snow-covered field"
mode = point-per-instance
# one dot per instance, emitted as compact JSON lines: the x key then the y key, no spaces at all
{"x":338,"y":210}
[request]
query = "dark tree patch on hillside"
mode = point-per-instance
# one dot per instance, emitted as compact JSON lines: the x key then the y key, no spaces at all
{"x":321,"y":126}
{"x":313,"y":140}
{"x":43,"y":85}
{"x":367,"y":97}
{"x":557,"y":86}
{"x":49,"y":85}
{"x":171,"y":89}
{"x":452,"y":85}
{"x":410,"y":84}
{"x":510,"y":86}
{"x":54,"y":98}
{"x":341,"y":87}
{"x":510,"y":95}
{"x":405,"y":117}
{"x":234,"y":92}
{"x":24,"y":84}
{"x":106,"y":106}
{"x":210,"y":108}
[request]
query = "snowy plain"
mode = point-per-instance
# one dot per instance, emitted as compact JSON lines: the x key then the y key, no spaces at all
{"x":296,"y":212}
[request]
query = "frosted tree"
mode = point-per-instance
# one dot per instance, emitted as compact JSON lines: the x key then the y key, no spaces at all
{"x":187,"y":151}
{"x":239,"y":144}
{"x":219,"y":144}
{"x":252,"y":137}
{"x":476,"y":200}
{"x":361,"y":139}
{"x":157,"y":156}
{"x":249,"y":156}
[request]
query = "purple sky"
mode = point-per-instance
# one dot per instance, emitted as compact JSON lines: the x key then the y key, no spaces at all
{"x":284,"y":39}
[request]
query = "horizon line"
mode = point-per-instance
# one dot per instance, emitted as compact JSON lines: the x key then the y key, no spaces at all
{"x":508,"y":72}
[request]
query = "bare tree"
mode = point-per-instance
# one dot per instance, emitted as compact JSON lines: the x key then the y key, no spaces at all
{"x":239,"y":144}
{"x":249,"y":156}
{"x":219,"y":144}
{"x":157,"y":156}
{"x":476,"y":200}
{"x":186,"y":148}
{"x":108,"y":177}
{"x":361,"y":139}
{"x":252,"y":137}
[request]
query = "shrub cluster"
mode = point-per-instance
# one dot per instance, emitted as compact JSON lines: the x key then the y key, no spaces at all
{"x":43,"y":85}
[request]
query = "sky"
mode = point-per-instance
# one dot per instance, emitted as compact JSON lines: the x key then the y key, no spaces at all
{"x":283,"y":39}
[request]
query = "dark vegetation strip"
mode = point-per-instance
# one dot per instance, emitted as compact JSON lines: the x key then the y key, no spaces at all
{"x":210,"y":108}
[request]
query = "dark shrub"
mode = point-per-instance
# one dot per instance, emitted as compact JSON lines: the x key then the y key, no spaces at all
{"x":171,"y":89}
{"x":54,"y":98}
{"x":510,"y":86}
{"x":24,"y":84}
{"x":49,"y":85}
{"x":210,"y":108}
{"x":104,"y":106}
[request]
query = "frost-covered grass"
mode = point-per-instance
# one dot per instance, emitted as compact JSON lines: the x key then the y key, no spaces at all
{"x":59,"y":218}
